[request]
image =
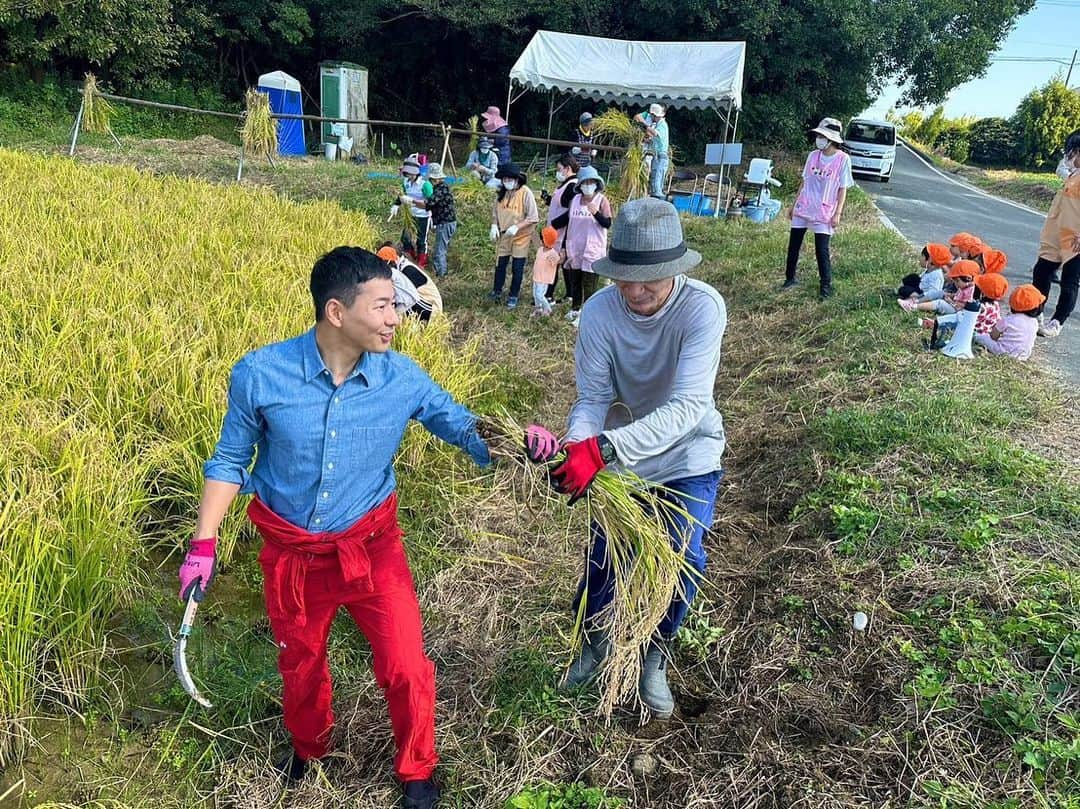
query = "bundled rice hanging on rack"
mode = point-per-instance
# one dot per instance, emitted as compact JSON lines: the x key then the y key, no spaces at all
{"x":648,"y":569}
{"x":258,"y":133}
{"x":96,"y":111}
{"x":615,"y":127}
{"x":473,"y":125}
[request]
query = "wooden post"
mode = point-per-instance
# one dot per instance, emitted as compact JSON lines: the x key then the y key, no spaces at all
{"x":75,"y":132}
{"x":240,"y":168}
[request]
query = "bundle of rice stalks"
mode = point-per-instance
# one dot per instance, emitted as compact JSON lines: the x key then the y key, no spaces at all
{"x":613,"y":126}
{"x":473,"y":125}
{"x":408,"y":223}
{"x":97,"y":112}
{"x":258,"y":133}
{"x":647,"y":567}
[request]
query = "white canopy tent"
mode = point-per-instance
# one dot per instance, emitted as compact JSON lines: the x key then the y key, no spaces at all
{"x":684,"y":75}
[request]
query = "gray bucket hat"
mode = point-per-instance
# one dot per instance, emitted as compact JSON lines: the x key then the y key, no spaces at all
{"x":588,"y":174}
{"x":646,"y":244}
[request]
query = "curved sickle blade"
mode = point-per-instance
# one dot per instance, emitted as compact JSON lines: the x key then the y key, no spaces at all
{"x":180,"y":665}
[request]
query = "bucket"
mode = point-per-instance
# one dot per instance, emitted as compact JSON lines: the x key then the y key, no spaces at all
{"x":755,"y":213}
{"x":330,"y":151}
{"x":772,"y":207}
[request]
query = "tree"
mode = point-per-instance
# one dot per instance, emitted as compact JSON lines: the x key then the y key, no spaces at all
{"x":993,"y":142}
{"x":1043,"y":120}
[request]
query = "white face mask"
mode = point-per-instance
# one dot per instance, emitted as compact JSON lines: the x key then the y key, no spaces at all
{"x":1066,"y":168}
{"x":509,"y":185}
{"x":821,"y":143}
{"x":484,"y":150}
{"x":560,"y":176}
{"x":588,"y":189}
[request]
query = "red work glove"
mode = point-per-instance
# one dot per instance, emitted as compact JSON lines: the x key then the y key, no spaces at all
{"x":541,"y":445}
{"x":576,"y":473}
{"x":197,"y":571}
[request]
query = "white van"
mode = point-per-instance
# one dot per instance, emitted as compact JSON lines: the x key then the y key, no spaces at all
{"x":872,"y":146}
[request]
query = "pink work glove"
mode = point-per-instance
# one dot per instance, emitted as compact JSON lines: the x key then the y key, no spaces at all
{"x":541,"y":445}
{"x":197,"y":571}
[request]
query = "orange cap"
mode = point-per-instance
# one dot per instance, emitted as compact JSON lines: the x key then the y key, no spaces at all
{"x":1025,"y":298}
{"x":388,"y":253}
{"x":939,"y":254}
{"x":966,"y":242}
{"x":964,"y":268}
{"x":992,"y":285}
{"x":994,"y":261}
{"x":549,"y":235}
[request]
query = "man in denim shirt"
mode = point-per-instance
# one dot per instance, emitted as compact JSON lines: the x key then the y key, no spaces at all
{"x":323,"y":414}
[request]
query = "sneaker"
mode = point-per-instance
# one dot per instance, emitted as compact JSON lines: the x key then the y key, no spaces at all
{"x":927,"y":322}
{"x":511,"y":302}
{"x":1051,"y":329}
{"x":572,"y":315}
{"x":653,"y":686}
{"x":789,"y":283}
{"x":291,"y":768}
{"x":420,"y":795}
{"x":826,"y":292}
{"x":906,"y":304}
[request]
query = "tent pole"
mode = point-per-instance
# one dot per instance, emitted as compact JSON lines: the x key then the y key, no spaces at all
{"x":509,"y":94}
{"x":551,"y":113}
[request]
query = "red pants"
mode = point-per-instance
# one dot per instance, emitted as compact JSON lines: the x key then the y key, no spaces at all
{"x":389,"y":616}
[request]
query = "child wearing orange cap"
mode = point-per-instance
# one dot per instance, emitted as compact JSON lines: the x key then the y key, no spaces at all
{"x":545,"y":267}
{"x":963,"y":273}
{"x":964,"y":245}
{"x":1015,"y":334}
{"x":990,"y":288}
{"x":992,"y":261}
{"x":930,"y":284}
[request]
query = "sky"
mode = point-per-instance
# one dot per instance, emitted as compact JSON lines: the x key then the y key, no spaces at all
{"x":1050,"y":30}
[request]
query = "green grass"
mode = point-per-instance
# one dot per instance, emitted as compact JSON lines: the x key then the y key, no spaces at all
{"x":863,"y":473}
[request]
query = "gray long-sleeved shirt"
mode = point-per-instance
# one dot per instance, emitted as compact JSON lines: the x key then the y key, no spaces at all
{"x":647,"y":382}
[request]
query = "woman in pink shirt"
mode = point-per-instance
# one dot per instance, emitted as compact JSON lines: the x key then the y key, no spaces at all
{"x":820,"y":202}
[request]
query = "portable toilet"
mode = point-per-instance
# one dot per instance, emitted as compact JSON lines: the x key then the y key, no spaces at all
{"x":343,"y":93}
{"x":284,"y":92}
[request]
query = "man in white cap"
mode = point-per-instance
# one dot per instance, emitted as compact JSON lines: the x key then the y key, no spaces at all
{"x":646,"y":359}
{"x":658,"y":145}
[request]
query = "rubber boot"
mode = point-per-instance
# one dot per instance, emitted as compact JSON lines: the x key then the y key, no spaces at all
{"x":420,"y":795}
{"x":653,"y":686}
{"x":421,"y":260}
{"x":960,"y":344}
{"x":292,"y":768}
{"x":586,"y":665}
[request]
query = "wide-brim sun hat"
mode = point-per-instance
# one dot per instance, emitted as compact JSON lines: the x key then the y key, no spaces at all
{"x":589,"y":173}
{"x":510,"y":171}
{"x":435,"y":171}
{"x":830,"y":129}
{"x":492,"y":119}
{"x":656,"y":110}
{"x":480,"y":144}
{"x":646,"y":244}
{"x":411,"y":166}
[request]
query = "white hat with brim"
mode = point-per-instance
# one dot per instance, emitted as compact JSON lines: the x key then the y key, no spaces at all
{"x":435,"y":171}
{"x":830,"y":129}
{"x":646,"y":244}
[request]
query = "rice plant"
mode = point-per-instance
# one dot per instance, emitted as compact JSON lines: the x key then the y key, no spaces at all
{"x":616,"y":127}
{"x":408,"y":223}
{"x":97,"y":112}
{"x":635,"y":516}
{"x":258,"y":133}
{"x":473,"y":125}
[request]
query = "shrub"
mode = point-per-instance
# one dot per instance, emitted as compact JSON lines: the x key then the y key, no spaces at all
{"x":953,"y":141}
{"x":993,"y":142}
{"x":1043,"y":120}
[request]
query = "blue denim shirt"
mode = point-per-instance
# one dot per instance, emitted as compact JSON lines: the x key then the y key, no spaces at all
{"x":325,"y":453}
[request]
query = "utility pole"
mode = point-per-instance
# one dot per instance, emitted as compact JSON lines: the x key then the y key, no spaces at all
{"x":1069,"y":74}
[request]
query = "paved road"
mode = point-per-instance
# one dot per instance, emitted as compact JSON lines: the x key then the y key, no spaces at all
{"x":927,"y":207}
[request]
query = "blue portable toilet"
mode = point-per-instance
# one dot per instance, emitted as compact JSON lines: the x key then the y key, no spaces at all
{"x":284,"y":92}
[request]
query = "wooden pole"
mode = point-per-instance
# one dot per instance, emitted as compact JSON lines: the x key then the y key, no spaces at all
{"x":76,"y":128}
{"x":138,"y":102}
{"x":240,"y":168}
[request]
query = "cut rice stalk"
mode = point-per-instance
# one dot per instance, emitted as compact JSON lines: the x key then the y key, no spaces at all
{"x":97,"y":112}
{"x":473,"y":125}
{"x":258,"y":133}
{"x":408,"y":223}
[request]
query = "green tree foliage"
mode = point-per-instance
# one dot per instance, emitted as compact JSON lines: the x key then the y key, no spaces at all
{"x":953,"y":141}
{"x":1043,"y":120}
{"x":993,"y":142}
{"x":446,"y":59}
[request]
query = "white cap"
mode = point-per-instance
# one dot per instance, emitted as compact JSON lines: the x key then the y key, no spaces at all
{"x":656,"y":110}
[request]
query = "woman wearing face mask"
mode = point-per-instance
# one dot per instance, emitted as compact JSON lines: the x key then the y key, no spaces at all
{"x":483,"y":162}
{"x":587,"y":222}
{"x":558,"y":204}
{"x":1059,"y":242}
{"x":514,"y":218}
{"x":820,"y":202}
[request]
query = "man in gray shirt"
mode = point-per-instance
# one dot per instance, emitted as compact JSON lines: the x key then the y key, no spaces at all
{"x":648,"y":350}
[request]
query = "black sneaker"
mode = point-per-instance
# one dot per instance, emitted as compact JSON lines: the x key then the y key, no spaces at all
{"x":420,"y":795}
{"x":826,"y":292}
{"x":789,"y":283}
{"x":291,"y":767}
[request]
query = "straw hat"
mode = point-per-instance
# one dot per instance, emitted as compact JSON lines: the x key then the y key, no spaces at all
{"x":830,"y":129}
{"x":646,"y":244}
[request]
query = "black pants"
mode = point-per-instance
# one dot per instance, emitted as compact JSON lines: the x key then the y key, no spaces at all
{"x":821,"y":252}
{"x":909,"y":286}
{"x":582,"y":286}
{"x":517,"y":270}
{"x":420,"y":248}
{"x":1042,"y":276}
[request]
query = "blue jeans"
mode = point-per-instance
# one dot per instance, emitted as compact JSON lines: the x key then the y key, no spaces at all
{"x":598,"y":583}
{"x":443,"y":234}
{"x":657,"y":174}
{"x":517,"y":270}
